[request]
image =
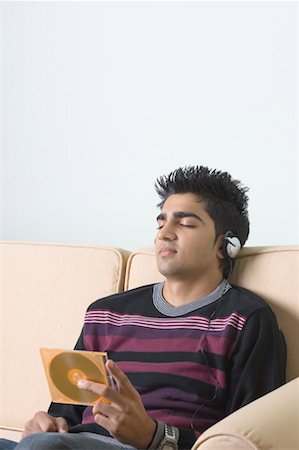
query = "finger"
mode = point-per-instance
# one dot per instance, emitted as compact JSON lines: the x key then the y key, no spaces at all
{"x":119,"y":376}
{"x":105,"y":409}
{"x":61,"y":425}
{"x":48,"y":425}
{"x":41,"y":422}
{"x":107,"y":394}
{"x":104,"y":422}
{"x":96,"y":388}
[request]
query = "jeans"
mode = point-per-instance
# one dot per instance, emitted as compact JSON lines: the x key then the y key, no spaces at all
{"x":65,"y":441}
{"x":5,"y":444}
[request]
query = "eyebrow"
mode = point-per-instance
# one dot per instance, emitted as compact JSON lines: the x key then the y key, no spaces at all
{"x":180,"y":215}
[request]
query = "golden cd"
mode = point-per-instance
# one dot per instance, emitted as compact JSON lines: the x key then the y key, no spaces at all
{"x":65,"y":368}
{"x":65,"y":373}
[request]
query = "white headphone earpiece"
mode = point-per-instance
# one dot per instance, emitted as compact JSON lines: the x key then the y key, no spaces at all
{"x":232,"y":245}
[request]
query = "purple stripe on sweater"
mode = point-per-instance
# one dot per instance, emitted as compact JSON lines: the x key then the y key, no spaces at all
{"x":169,"y":417}
{"x":152,"y":333}
{"x":184,"y":422}
{"x":191,"y":322}
{"x":173,"y":399}
{"x":218,"y":345}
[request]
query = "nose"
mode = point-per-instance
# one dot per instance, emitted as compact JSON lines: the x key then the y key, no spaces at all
{"x":166,"y":233}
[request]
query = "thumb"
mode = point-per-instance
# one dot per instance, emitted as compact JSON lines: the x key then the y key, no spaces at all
{"x":61,"y":425}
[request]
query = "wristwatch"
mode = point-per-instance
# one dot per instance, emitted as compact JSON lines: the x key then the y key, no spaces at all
{"x":170,"y":439}
{"x":166,"y":437}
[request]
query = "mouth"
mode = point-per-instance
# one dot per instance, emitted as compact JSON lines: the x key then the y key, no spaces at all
{"x":167,"y":251}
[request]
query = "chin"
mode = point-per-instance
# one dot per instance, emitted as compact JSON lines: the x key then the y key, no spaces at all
{"x":169,"y":271}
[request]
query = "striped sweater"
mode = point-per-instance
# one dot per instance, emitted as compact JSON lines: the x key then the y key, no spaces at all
{"x":192,"y":365}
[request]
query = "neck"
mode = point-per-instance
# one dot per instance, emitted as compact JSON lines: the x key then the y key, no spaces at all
{"x":178,"y":292}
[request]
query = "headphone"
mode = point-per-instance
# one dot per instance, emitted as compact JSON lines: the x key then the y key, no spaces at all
{"x":206,"y":359}
{"x":230,"y":248}
{"x":231,"y":245}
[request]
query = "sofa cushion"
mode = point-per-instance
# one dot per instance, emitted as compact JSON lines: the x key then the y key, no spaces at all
{"x":45,"y":291}
{"x":142,"y":269}
{"x":272,"y":273}
{"x":258,"y":425}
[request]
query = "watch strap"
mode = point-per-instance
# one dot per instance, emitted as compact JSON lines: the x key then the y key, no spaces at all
{"x":163,"y":431}
{"x":158,"y":436}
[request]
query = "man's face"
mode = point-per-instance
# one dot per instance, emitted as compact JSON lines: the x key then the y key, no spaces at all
{"x":185,"y":242}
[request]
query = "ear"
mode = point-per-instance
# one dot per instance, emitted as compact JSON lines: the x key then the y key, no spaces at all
{"x":219,"y":243}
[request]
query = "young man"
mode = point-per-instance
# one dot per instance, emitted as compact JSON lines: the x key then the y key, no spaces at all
{"x":183,"y":353}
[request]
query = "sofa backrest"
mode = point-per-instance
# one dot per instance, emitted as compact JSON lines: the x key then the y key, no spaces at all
{"x":45,"y":290}
{"x":271,"y":272}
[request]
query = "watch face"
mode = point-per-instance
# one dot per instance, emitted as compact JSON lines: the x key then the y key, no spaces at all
{"x":170,"y":440}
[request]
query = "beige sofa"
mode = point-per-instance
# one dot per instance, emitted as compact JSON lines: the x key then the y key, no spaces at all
{"x":45,"y":289}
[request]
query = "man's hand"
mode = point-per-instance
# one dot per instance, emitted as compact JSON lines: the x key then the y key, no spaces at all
{"x":125,"y":417}
{"x":42,"y":422}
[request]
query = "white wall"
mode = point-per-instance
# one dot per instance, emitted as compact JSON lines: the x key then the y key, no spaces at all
{"x":101,"y":98}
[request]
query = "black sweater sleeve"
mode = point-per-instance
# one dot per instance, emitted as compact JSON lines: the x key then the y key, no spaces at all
{"x":259,"y":363}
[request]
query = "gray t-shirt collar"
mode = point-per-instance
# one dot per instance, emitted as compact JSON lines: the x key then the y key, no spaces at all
{"x":174,"y":311}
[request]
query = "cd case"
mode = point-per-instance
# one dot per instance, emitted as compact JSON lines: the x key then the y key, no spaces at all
{"x":64,"y":368}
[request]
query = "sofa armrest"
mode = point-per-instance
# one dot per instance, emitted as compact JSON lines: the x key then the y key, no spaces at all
{"x":269,"y":422}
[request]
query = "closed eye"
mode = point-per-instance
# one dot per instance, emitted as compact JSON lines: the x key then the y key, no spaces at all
{"x":187,"y":226}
